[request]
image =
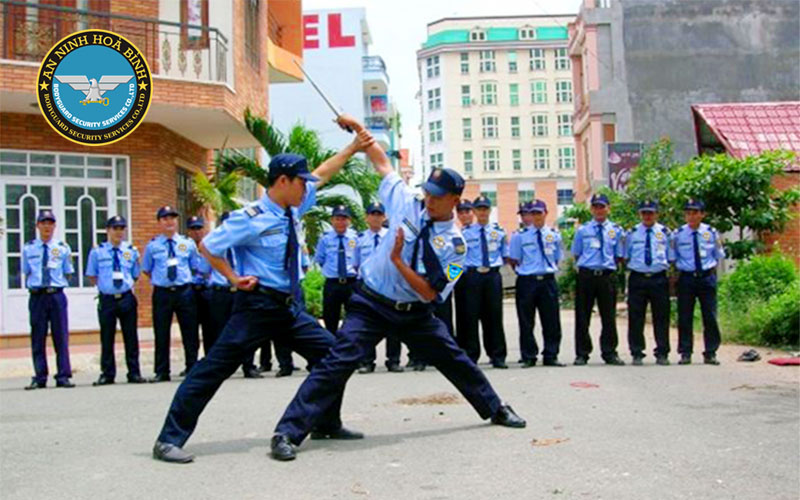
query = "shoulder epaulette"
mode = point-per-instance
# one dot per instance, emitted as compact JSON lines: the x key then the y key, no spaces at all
{"x":253,"y":210}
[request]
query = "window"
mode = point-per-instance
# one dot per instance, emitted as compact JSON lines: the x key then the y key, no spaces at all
{"x":537,"y":60}
{"x":566,"y":158}
{"x":513,"y":94}
{"x":539,"y":122}
{"x":541,"y":158}
{"x":526,"y":195}
{"x":468,"y":162}
{"x":562,"y":59}
{"x":466,"y":128}
{"x":186,"y":204}
{"x":477,"y":36}
{"x":563,"y":90}
{"x":465,"y":63}
{"x":487,"y":61}
{"x":252,"y":38}
{"x":516,"y":159}
{"x":527,"y":34}
{"x":432,"y":64}
{"x":434,"y":99}
{"x":491,"y":160}
{"x":193,"y":12}
{"x":564,"y":196}
{"x":539,"y":92}
{"x":466,"y":100}
{"x":565,"y":125}
{"x":435,"y":131}
{"x":603,"y":4}
{"x":489,"y":127}
{"x":437,"y":160}
{"x":492,"y":195}
{"x":512,"y":61}
{"x":488,"y":93}
{"x":515,"y":127}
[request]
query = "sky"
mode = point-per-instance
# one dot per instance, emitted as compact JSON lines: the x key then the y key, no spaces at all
{"x":399,"y":28}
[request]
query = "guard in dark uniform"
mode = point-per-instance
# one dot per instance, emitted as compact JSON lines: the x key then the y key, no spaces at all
{"x":487,"y":249}
{"x":698,"y":249}
{"x":417,"y":264}
{"x":196,"y":230}
{"x":648,"y":253}
{"x":264,"y":239}
{"x":597,"y":247}
{"x":170,"y":261}
{"x":114,"y":268}
{"x":336,"y":254}
{"x":46,"y":264}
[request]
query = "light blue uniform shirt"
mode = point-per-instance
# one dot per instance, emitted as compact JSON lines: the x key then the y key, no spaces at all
{"x":202,"y":273}
{"x":406,"y":211}
{"x":710,"y":246}
{"x":101,"y":267}
{"x":156,"y":259}
{"x":586,"y":245}
{"x":59,"y":261}
{"x":660,"y":249}
{"x":496,"y":242}
{"x":258,"y":234}
{"x":366,"y":244}
{"x":524,"y":248}
{"x":216,"y":278}
{"x":327,"y":255}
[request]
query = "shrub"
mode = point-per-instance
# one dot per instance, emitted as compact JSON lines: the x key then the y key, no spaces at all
{"x":313,"y":283}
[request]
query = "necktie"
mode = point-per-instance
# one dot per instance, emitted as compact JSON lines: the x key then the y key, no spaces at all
{"x":484,"y":248}
{"x":45,"y":269}
{"x":290,"y":262}
{"x":541,"y":247}
{"x":602,"y":244}
{"x":698,"y":264}
{"x":115,"y":266}
{"x":229,"y":256}
{"x":377,"y":240}
{"x":341,"y":265}
{"x":433,"y":269}
{"x":648,"y":252}
{"x":172,"y":271}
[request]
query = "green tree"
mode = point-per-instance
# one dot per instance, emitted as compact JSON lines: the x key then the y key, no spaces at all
{"x":217,"y":193}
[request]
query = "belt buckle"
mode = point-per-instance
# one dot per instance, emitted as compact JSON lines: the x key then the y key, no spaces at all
{"x":231,"y":289}
{"x":598,"y":272}
{"x":342,"y":281}
{"x":402,"y":306}
{"x":697,"y":274}
{"x":483,"y":269}
{"x":648,"y":275}
{"x":117,"y":296}
{"x":50,"y":290}
{"x":540,"y":277}
{"x":172,"y":288}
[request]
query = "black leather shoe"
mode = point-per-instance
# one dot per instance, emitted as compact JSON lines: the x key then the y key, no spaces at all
{"x":552,"y":362}
{"x":614,"y":361}
{"x":711,"y":360}
{"x":638,"y":361}
{"x":662,"y":360}
{"x":581,"y":360}
{"x":252,"y":373}
{"x":65,"y":384}
{"x":528,"y":363}
{"x":501,"y":365}
{"x":284,"y":371}
{"x":420,"y":367}
{"x":395,"y":368}
{"x":35,"y":385}
{"x":265,"y":368}
{"x":686,"y":359}
{"x":367,"y":368}
{"x":281,"y":448}
{"x":137,"y":379}
{"x":160,"y":378}
{"x":340,"y":433}
{"x":103,"y":380}
{"x":184,"y":372}
{"x":170,"y":453}
{"x":506,"y":417}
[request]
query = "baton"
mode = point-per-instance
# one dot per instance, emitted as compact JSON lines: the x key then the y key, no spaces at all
{"x":321,"y":93}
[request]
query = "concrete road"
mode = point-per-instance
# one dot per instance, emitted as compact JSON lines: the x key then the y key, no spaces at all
{"x":593,"y":432}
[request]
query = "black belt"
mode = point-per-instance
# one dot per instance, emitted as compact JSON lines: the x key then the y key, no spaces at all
{"x":199,"y":288}
{"x":660,"y":274}
{"x":397,"y":306}
{"x":699,"y":274}
{"x":223,"y":288}
{"x":484,"y":269}
{"x":342,"y":281}
{"x":175,"y":288}
{"x":538,"y":277}
{"x":283,"y":298}
{"x":595,"y":272}
{"x":115,"y":296}
{"x":47,"y":290}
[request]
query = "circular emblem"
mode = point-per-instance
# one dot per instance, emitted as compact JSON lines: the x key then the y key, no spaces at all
{"x":55,"y":252}
{"x":351,"y":243}
{"x":706,"y":236}
{"x":612,"y":234}
{"x":659,"y":236}
{"x":493,"y":235}
{"x":438,"y":242}
{"x":126,"y":255}
{"x":182,"y":247}
{"x":94,"y":87}
{"x":549,"y":238}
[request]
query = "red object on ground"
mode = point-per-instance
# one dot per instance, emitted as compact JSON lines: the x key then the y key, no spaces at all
{"x":584,"y":385}
{"x":785,"y":361}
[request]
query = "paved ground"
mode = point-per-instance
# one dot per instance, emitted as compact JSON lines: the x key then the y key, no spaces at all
{"x":649,"y":432}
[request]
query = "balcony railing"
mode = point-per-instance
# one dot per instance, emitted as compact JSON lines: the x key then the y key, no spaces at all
{"x":376,"y":123}
{"x":175,"y":50}
{"x":374,"y":63}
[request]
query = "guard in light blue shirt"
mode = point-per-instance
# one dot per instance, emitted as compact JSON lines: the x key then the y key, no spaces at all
{"x":465,"y":218}
{"x":170,"y":261}
{"x":648,"y":253}
{"x":336,"y":254}
{"x":698,"y":250}
{"x":201,"y":273}
{"x":46,"y":264}
{"x":487,"y":250}
{"x":114,"y":267}
{"x":535,"y":253}
{"x":416,"y":265}
{"x":597,"y":247}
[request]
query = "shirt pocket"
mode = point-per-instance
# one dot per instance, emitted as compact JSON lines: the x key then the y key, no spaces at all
{"x":275,"y":241}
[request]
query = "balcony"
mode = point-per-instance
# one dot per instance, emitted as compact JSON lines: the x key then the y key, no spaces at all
{"x":376,"y":81}
{"x":284,"y":41}
{"x":380,"y":128}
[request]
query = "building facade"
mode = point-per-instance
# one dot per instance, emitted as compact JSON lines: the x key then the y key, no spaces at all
{"x":496,"y":98}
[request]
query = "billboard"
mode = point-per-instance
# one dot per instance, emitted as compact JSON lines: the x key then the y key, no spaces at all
{"x":621,"y":159}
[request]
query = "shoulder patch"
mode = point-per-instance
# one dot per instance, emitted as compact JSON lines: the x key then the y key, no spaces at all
{"x":253,"y":210}
{"x":459,"y":246}
{"x":411,"y":226}
{"x":454,"y":271}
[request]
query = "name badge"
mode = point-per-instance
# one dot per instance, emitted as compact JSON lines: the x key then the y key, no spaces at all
{"x":548,"y":249}
{"x":594,"y":243}
{"x":703,"y":252}
{"x":53,"y":264}
{"x":492,"y":246}
{"x":661,"y":249}
{"x":117,"y":275}
{"x":172,"y":262}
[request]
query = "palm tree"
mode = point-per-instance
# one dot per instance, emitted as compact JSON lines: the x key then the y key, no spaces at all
{"x":218,"y":194}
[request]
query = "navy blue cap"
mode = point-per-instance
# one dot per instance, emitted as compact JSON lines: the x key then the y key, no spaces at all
{"x":482,"y":202}
{"x":195,"y":222}
{"x":538,"y":206}
{"x":648,"y":206}
{"x":444,"y":181}
{"x":524,"y":208}
{"x":46,"y":215}
{"x":289,"y":164}
{"x":376,"y":207}
{"x":341,"y":210}
{"x":116,"y":221}
{"x":165,"y":211}
{"x":694,"y":204}
{"x":600,"y":199}
{"x":464,"y":205}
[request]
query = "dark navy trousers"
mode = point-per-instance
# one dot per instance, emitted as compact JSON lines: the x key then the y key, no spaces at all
{"x":334,"y":296}
{"x":220,"y":308}
{"x":482,"y":302}
{"x":181,"y":302}
{"x":538,"y":293}
{"x":704,"y":289}
{"x":49,"y":310}
{"x":641,"y":290}
{"x":255,"y":316}
{"x":366,"y":323}
{"x":109,"y":311}
{"x":600,"y":286}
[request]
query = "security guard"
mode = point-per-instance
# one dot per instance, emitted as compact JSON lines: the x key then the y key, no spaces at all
{"x":336,"y":254}
{"x":535,"y":252}
{"x":46,"y":263}
{"x":170,"y":261}
{"x":264,"y":238}
{"x":416,"y":265}
{"x":487,"y":247}
{"x":465,"y":218}
{"x":698,"y":250}
{"x":464,"y":212}
{"x":114,"y":268}
{"x":368,"y":242}
{"x":196,"y":229}
{"x":648,"y":254}
{"x":597,"y":246}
